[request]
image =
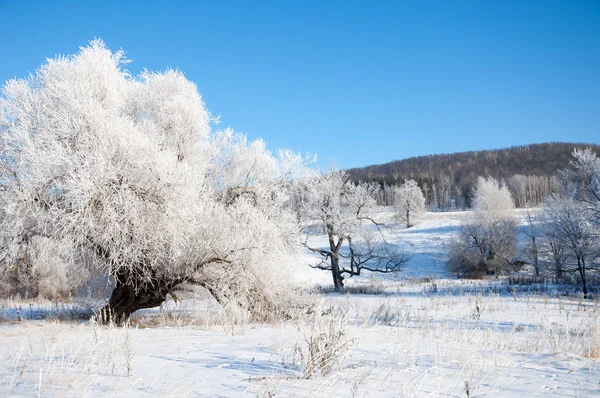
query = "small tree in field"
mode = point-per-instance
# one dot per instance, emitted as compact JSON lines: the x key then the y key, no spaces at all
{"x":345,"y":210}
{"x":410,"y":202}
{"x":487,"y":242}
{"x":104,"y":172}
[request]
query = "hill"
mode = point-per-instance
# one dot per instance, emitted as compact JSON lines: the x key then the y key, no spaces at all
{"x":448,"y":179}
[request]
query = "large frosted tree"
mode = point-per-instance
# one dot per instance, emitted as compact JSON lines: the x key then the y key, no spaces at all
{"x":102,"y":171}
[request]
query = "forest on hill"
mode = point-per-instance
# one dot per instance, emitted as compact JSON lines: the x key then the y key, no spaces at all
{"x":447,"y":180}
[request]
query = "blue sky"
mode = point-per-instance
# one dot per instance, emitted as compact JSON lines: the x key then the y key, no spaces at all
{"x":359,"y":82}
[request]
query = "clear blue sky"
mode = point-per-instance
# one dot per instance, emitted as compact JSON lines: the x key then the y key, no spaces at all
{"x":360,"y":82}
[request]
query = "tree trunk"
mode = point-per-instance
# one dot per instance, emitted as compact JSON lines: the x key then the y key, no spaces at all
{"x":558,"y":267}
{"x":125,"y":300}
{"x":536,"y":263}
{"x":338,"y":279}
{"x":581,"y":266}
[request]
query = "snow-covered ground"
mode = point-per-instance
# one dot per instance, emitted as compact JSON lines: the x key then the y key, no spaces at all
{"x":425,"y":243}
{"x":425,"y":334}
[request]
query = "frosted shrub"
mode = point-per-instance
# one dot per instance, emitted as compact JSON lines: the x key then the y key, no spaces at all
{"x":325,"y":343}
{"x":487,"y":242}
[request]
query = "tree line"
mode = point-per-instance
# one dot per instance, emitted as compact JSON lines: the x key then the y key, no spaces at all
{"x":448,"y":180}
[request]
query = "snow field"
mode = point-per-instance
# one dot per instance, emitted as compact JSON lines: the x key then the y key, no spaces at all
{"x":422,"y":334}
{"x":407,"y":345}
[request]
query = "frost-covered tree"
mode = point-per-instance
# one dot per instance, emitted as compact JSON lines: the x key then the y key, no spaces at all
{"x":487,"y":242}
{"x":582,"y":180}
{"x":102,"y":171}
{"x":410,"y":202}
{"x":566,"y":221}
{"x":345,"y":211}
{"x":572,"y":218}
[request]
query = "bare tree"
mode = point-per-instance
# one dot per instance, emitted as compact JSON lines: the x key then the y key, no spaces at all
{"x":344,"y":210}
{"x":103,"y":170}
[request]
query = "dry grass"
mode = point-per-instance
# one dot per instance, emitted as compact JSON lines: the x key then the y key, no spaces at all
{"x":325,"y":342}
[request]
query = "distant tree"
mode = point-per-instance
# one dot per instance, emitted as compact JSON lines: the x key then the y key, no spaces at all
{"x":410,"y":202}
{"x":344,"y":210}
{"x":487,"y":242}
{"x":104,"y":172}
{"x":530,"y":190}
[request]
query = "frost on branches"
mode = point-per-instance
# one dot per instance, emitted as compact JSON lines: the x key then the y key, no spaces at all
{"x":345,"y":211}
{"x":583,"y":180}
{"x":571,"y":219}
{"x":105,"y":172}
{"x":410,"y":202}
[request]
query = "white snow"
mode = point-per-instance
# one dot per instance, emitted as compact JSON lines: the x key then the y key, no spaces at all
{"x":428,"y":334}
